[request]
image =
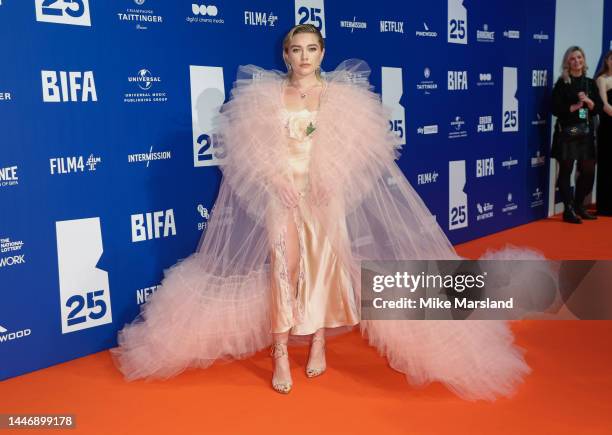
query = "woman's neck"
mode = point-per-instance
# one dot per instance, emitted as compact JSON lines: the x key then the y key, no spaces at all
{"x":304,"y":82}
{"x":576,"y":73}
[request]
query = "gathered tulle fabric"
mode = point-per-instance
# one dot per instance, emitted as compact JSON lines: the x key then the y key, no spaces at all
{"x":215,"y":304}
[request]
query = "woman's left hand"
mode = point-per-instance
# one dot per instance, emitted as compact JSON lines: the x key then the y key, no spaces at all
{"x":585,"y":99}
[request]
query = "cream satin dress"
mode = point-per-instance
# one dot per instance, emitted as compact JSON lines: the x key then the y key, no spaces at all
{"x":323,"y":297}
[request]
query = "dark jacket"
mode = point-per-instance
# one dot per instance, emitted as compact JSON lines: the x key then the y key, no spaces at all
{"x":566,"y":94}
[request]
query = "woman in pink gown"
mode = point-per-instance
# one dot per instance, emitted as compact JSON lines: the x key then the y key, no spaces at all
{"x":310,"y":189}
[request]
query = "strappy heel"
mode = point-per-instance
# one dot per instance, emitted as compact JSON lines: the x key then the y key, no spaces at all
{"x":278,"y":351}
{"x":313,"y":371}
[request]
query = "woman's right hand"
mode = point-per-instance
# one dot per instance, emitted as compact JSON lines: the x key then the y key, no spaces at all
{"x":286,"y":191}
{"x":576,"y":106}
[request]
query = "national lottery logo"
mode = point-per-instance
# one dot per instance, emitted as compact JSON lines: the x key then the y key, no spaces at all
{"x":73,"y":12}
{"x":68,"y":86}
{"x":153,"y":225}
{"x":10,"y":252}
{"x":256,"y":18}
{"x":9,"y":176}
{"x":311,"y":12}
{"x":392,"y":91}
{"x":457,"y":23}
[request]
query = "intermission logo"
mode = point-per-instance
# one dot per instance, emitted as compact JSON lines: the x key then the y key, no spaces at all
{"x":508,"y":164}
{"x":457,"y":128}
{"x":426,"y":33}
{"x":485,"y":167}
{"x":428,"y":129}
{"x":68,"y":86}
{"x":7,"y":334}
{"x":392,"y":91}
{"x":457,"y":197}
{"x":142,"y":18}
{"x":84,"y":286}
{"x":150,"y":156}
{"x":153,"y":225}
{"x":10,"y":252}
{"x":353,"y":25}
{"x":147,"y":83}
{"x":510,"y":205}
{"x":457,"y":81}
{"x":311,"y":12}
{"x":69,"y":165}
{"x":539,"y":78}
{"x":427,"y":178}
{"x":8,"y":176}
{"x":485,"y":79}
{"x":257,"y":18}
{"x":391,"y":26}
{"x":427,"y":85}
{"x":485,"y":124}
{"x":538,"y":160}
{"x":74,"y":12}
{"x":485,"y":35}
{"x":537,"y":198}
{"x":143,"y":294}
{"x":512,"y":34}
{"x":457,"y":22}
{"x":540,"y":36}
{"x":203,"y":212}
{"x":484,"y":211}
{"x":209,"y":14}
{"x":539,"y":120}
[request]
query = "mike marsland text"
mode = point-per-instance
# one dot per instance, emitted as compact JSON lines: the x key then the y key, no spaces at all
{"x":442,"y":304}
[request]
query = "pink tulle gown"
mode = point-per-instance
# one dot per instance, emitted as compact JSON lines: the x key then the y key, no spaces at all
{"x":226,"y":299}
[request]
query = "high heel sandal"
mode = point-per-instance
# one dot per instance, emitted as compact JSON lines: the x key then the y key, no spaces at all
{"x":279,"y":350}
{"x":311,"y":371}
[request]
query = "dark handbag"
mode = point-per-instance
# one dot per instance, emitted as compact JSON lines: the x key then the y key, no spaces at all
{"x":576,"y":132}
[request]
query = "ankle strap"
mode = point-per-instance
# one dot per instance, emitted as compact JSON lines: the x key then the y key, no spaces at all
{"x":278,"y":350}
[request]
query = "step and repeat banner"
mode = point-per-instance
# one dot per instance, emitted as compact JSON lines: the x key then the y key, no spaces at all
{"x":107,"y":175}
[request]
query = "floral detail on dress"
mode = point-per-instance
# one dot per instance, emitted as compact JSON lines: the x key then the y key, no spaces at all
{"x":300,"y":125}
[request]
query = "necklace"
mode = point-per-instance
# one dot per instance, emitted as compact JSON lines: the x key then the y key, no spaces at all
{"x":304,"y":93}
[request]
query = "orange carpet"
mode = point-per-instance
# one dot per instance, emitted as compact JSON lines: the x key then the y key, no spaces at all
{"x":569,"y":391}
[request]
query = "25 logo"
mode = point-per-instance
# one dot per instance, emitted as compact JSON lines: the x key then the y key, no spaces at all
{"x":510,"y":118}
{"x":456,"y":29}
{"x":75,"y":12}
{"x":92,"y":302}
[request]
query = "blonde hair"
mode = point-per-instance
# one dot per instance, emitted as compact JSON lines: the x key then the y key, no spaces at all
{"x":302,"y":28}
{"x":565,"y":69}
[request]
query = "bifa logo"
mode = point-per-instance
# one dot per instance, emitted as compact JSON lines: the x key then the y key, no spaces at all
{"x":485,"y":167}
{"x":207,"y":96}
{"x":147,"y":226}
{"x":457,"y":198}
{"x":510,"y":103}
{"x":539,"y":78}
{"x":71,"y":86}
{"x":75,"y":12}
{"x":457,"y":22}
{"x":311,"y":12}
{"x":84,"y":289}
{"x":392,"y":90}
{"x":457,"y":80}
{"x":7,"y":335}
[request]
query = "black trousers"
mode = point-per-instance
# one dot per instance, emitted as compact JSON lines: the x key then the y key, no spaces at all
{"x":584,"y":181}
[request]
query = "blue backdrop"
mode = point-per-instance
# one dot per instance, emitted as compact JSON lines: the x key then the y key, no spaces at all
{"x":106,"y":171}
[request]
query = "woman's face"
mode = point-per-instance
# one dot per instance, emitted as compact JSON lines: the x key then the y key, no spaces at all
{"x":576,"y":61}
{"x":304,"y":54}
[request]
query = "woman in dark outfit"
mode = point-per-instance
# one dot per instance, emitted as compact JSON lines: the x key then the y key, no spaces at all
{"x":575,"y":101}
{"x":604,"y":138}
